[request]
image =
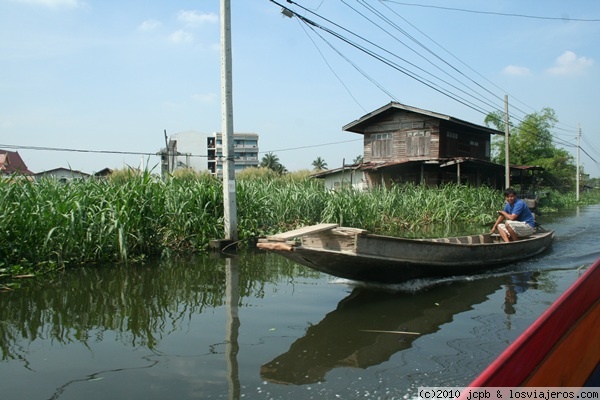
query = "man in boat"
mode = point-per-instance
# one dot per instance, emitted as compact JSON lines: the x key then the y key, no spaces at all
{"x":518,"y":218}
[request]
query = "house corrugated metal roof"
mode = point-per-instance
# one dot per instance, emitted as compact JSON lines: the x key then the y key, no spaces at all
{"x":358,"y":125}
{"x":326,"y":172}
{"x":442,"y":162}
{"x":61,"y":169}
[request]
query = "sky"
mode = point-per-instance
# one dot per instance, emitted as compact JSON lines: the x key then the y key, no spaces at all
{"x":90,"y":84}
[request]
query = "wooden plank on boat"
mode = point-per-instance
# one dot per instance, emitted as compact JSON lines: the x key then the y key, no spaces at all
{"x":332,"y":241}
{"x":282,"y":237}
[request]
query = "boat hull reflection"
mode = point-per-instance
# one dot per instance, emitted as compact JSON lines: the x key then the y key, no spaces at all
{"x":371,"y":325}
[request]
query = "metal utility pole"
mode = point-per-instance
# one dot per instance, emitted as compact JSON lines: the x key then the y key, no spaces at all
{"x":577,"y":177}
{"x":506,"y":138}
{"x":230,"y":217}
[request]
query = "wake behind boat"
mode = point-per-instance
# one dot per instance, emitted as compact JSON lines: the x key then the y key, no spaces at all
{"x":356,"y":254}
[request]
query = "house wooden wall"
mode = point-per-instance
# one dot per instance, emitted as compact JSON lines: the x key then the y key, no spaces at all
{"x":459,"y":141}
{"x":415,"y":136}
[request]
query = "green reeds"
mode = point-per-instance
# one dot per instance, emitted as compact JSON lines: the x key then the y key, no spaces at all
{"x":406,"y":208}
{"x":49,"y":224}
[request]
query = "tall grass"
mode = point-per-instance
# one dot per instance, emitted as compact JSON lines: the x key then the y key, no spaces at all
{"x":554,"y":200}
{"x":404,"y":208}
{"x":48,"y":224}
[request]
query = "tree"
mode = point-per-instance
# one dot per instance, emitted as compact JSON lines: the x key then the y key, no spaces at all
{"x":319,"y":164}
{"x":530,"y":143}
{"x":271,"y":161}
{"x":359,"y":159}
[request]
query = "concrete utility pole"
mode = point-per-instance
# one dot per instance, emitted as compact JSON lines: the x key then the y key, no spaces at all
{"x":230,"y":217}
{"x":506,"y":138}
{"x":578,"y":174}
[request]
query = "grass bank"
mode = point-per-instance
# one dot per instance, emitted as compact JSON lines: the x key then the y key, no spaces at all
{"x":48,"y":225}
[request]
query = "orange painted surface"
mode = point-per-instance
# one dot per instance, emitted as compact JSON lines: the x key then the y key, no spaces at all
{"x":574,"y":358}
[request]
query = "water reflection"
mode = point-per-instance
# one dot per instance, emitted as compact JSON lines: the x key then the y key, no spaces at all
{"x":142,"y":324}
{"x":369,"y":326}
{"x":140,"y":304}
{"x":518,"y":284}
{"x":232,"y":288}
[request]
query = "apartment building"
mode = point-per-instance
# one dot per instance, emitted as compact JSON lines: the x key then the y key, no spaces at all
{"x":204,"y":152}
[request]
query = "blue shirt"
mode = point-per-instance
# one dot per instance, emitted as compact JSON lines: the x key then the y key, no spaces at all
{"x":522,"y":211}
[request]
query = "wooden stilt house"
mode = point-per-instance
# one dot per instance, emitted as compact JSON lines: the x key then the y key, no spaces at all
{"x":408,"y":144}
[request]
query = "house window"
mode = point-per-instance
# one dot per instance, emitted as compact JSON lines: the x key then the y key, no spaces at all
{"x":418,"y":143}
{"x":381,"y":145}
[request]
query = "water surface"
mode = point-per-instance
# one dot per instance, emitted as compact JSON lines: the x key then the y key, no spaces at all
{"x":256,"y":326}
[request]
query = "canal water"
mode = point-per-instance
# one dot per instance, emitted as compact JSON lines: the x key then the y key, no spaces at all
{"x":256,"y":326}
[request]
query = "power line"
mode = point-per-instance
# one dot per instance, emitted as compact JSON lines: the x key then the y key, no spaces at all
{"x":403,"y":70}
{"x":142,"y":153}
{"x":315,"y":145}
{"x":379,"y":57}
{"x":494,"y":13}
{"x":331,"y":69}
{"x":459,"y":60}
{"x":387,"y":20}
{"x":314,"y":25}
{"x":19,"y":147}
{"x":355,"y":66}
{"x":590,"y":145}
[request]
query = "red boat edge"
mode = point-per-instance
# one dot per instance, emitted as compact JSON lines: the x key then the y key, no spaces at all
{"x":560,"y":349}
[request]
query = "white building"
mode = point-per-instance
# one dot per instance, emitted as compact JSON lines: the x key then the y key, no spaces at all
{"x":204,"y":152}
{"x":346,"y":176}
{"x":62,"y":175}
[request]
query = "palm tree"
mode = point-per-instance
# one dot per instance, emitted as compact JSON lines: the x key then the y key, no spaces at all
{"x":270,"y":161}
{"x":281,"y":169}
{"x":319,"y":164}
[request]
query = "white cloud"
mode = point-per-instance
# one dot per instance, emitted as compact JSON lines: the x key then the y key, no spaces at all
{"x":196,"y":18}
{"x":53,"y":3}
{"x":516,"y":70}
{"x":569,"y":64}
{"x":181,"y":36}
{"x":149,"y":25}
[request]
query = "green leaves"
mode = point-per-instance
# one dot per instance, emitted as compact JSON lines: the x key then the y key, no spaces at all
{"x":47,"y":224}
{"x":531,"y":143}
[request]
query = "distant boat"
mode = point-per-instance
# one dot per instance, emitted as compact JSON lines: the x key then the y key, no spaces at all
{"x":356,"y":254}
{"x":561,"y":348}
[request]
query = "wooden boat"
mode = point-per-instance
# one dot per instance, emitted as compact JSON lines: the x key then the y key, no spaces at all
{"x":561,"y":348}
{"x":359,"y":255}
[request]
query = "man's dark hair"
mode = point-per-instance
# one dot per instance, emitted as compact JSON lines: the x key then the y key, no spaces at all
{"x":509,"y":191}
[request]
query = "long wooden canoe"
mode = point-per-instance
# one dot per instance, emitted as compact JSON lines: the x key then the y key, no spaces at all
{"x":359,"y":255}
